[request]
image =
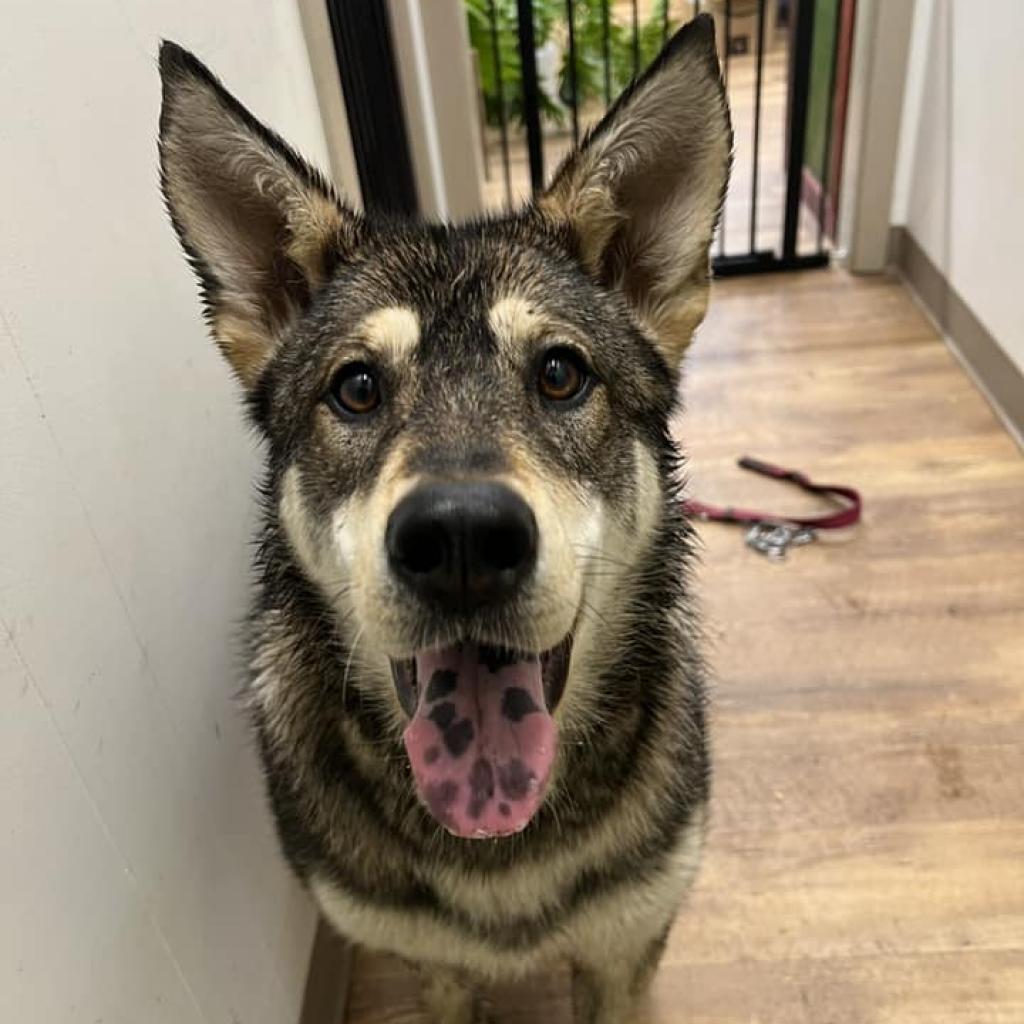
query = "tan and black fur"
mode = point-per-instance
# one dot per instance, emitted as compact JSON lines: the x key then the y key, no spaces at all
{"x":613,"y":262}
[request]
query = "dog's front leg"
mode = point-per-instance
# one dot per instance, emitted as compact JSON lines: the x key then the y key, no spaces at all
{"x":602,"y":995}
{"x":606,"y":993}
{"x":447,"y":996}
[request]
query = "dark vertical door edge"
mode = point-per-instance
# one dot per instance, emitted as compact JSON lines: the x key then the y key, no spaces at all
{"x":373,"y":102}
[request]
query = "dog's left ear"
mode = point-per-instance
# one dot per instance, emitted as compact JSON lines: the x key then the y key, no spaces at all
{"x":643,"y":192}
{"x":262,"y":229}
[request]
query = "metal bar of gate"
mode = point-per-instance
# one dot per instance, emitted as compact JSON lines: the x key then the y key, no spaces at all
{"x":502,"y":112}
{"x":606,"y":30}
{"x":758,"y":81}
{"x":725,"y":79}
{"x":636,"y":40}
{"x":800,"y":81}
{"x":826,"y":156}
{"x":531,"y":97}
{"x":570,"y":17}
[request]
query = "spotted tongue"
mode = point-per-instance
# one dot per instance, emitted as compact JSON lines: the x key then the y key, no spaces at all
{"x":481,"y":742}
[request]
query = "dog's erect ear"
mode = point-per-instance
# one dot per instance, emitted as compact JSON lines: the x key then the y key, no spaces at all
{"x":262,"y":229}
{"x":643,"y":192}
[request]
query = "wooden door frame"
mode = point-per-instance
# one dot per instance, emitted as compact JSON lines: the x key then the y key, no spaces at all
{"x":877,"y":80}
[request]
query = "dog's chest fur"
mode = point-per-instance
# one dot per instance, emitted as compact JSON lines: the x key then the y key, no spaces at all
{"x":618,"y":921}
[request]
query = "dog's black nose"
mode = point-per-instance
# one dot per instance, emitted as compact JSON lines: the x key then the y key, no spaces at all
{"x":462,"y":545}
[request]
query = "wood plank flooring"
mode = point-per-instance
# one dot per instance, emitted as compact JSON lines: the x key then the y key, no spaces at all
{"x":866,"y":859}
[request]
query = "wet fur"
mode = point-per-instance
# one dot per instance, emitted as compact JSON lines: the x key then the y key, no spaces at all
{"x":456,"y":317}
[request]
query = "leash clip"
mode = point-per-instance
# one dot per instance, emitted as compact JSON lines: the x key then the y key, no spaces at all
{"x":773,"y":536}
{"x":775,"y":539}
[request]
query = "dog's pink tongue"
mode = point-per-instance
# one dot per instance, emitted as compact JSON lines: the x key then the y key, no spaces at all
{"x":481,"y":743}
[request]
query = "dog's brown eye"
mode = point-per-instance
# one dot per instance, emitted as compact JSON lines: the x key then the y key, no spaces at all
{"x":354,"y":390}
{"x":562,"y":375}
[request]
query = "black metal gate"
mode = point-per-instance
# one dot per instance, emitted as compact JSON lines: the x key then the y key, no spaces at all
{"x":728,"y":260}
{"x":604,"y":45}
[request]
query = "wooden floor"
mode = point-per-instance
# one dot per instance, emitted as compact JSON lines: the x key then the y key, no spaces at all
{"x":866,"y":860}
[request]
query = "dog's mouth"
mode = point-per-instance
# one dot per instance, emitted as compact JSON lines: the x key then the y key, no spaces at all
{"x":481,"y":738}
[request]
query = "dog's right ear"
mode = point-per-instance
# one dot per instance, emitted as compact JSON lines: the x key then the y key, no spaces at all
{"x":262,"y":229}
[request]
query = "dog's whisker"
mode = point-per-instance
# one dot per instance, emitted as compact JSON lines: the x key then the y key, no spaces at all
{"x":348,"y":667}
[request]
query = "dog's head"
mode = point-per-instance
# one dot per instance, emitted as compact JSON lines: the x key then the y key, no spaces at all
{"x":467,"y":426}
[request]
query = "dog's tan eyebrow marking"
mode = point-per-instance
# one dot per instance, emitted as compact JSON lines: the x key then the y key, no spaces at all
{"x":391,"y":330}
{"x":514,"y":320}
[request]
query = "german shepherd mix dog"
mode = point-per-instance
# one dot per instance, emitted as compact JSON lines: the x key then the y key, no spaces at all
{"x":475,"y":667}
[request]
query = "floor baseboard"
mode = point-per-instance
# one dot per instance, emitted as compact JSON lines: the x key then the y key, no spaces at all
{"x":330,"y":970}
{"x":999,"y":378}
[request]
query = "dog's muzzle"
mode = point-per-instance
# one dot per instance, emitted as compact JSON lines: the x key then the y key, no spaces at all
{"x":481,"y":738}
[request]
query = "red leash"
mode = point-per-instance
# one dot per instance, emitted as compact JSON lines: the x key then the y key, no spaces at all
{"x":773,"y":534}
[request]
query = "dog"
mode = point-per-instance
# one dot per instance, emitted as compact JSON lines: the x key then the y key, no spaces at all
{"x":475,"y":667}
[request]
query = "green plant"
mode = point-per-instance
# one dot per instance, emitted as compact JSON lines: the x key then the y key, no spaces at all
{"x":481,"y":38}
{"x":549,"y":19}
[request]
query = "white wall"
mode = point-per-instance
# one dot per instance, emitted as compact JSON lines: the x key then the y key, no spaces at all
{"x":140,"y":880}
{"x":333,"y":115}
{"x":881,"y":38}
{"x":440,"y":101}
{"x":961,"y":165}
